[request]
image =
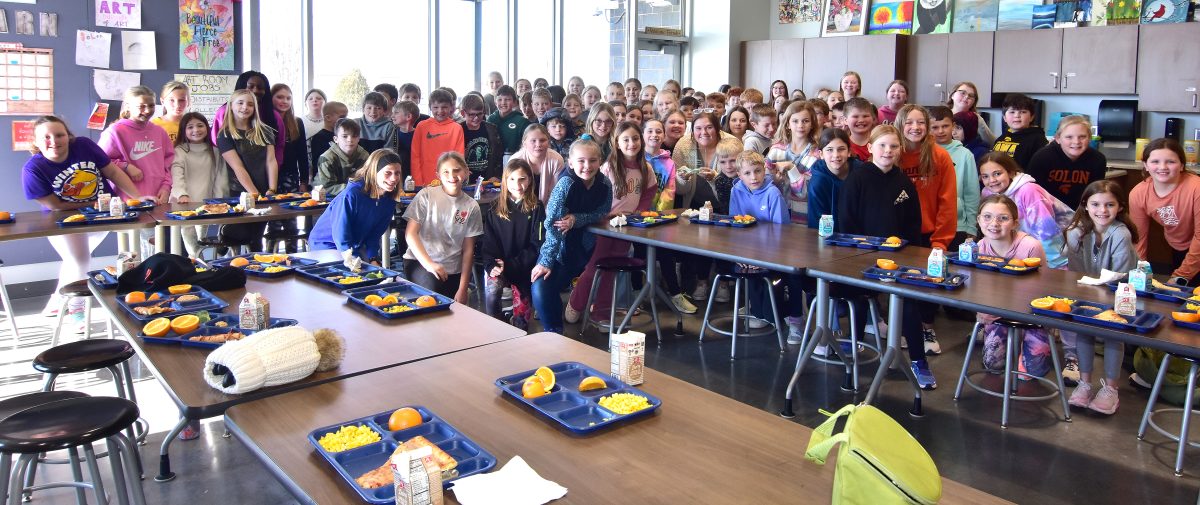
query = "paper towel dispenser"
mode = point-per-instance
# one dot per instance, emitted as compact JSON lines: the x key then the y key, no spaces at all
{"x":1117,"y":120}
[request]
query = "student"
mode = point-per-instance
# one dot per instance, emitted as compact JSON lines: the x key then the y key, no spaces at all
{"x":673,"y":86}
{"x":859,"y":121}
{"x":579,"y":199}
{"x":837,"y":116}
{"x":404,"y":116}
{"x":653,"y":134}
{"x":828,"y":173}
{"x":615,"y":92}
{"x":779,"y":89}
{"x":851,"y":84}
{"x":727,"y":176}
{"x":410,"y":92}
{"x":688,"y":105}
{"x":1021,"y":137}
{"x":547,"y":165}
{"x":647,"y":109}
{"x":140,"y":147}
{"x":342,"y":159}
{"x":963,"y":100}
{"x":66,"y":172}
{"x":735,"y":96}
{"x":331,"y":113}
{"x":591,"y":96}
{"x":834,"y":98}
{"x":716,"y":102}
{"x":435,"y":137}
{"x":600,"y":122}
{"x":966,"y":173}
{"x":523,"y":87}
{"x":260,"y":87}
{"x":676,"y":125}
{"x":648,"y":93}
{"x":561,"y":128}
{"x":633,"y":89}
{"x":294,"y":173}
{"x":878,"y":199}
{"x":664,"y":103}
{"x":495,"y":80}
{"x":314,"y":114}
{"x":175,"y":98}
{"x":793,"y":154}
{"x":698,"y":152}
{"x":377,"y":128}
{"x":512,"y":238}
{"x":389,"y":91}
{"x":443,"y":223}
{"x":574,"y":107}
{"x":357,"y":218}
{"x":634,"y":115}
{"x":1170,"y":196}
{"x":823,"y":93}
{"x":542,"y":102}
{"x":197,"y":172}
{"x":484,"y":151}
{"x":1100,"y":237}
{"x":619,"y":109}
{"x":1067,"y":165}
{"x":1000,"y":236}
{"x":764,"y":122}
{"x":756,"y":195}
{"x":822,"y":110}
{"x":897,"y":96}
{"x":540,"y":83}
{"x":575,"y":85}
{"x":966,"y":130}
{"x":798,"y":94}
{"x":1041,"y":215}
{"x":508,"y":120}
{"x":737,"y":123}
{"x":246,"y":145}
{"x":780,"y":104}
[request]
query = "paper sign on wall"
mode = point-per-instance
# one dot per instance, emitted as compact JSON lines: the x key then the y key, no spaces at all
{"x":119,"y":13}
{"x":22,"y":135}
{"x":208,"y":91}
{"x":99,"y":116}
{"x":206,"y":35}
{"x":111,"y":85}
{"x":92,"y":48}
{"x":138,"y":51}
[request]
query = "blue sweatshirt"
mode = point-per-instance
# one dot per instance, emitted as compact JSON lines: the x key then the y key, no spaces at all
{"x":353,"y":220}
{"x":823,"y":190}
{"x":589,"y":205}
{"x":765,"y":203}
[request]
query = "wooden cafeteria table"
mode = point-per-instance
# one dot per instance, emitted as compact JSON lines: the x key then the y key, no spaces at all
{"x":700,"y":447}
{"x":38,"y":223}
{"x":169,"y":230}
{"x":371,"y":343}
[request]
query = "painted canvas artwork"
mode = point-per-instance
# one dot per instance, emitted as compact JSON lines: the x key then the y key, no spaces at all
{"x":1099,"y":12}
{"x":1068,"y":14}
{"x":1017,"y":14}
{"x":844,"y":17}
{"x":891,"y":17}
{"x":1164,"y":11}
{"x":975,"y":15}
{"x":1124,"y":12}
{"x":799,"y":11}
{"x":1043,"y":17}
{"x":933,"y":16}
{"x":206,"y":34}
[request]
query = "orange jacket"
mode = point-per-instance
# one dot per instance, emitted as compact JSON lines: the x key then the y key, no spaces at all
{"x":430,"y":140}
{"x":938,"y":194}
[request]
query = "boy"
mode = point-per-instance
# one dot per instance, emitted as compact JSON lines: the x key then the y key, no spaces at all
{"x":727,"y":175}
{"x":508,"y":119}
{"x":615,"y":92}
{"x":687,"y":105}
{"x":483,"y":148}
{"x":941,"y":128}
{"x":404,"y":115}
{"x":342,"y":159}
{"x":410,"y":92}
{"x":764,"y":122}
{"x":716,"y":102}
{"x":390,"y":92}
{"x":331,"y":113}
{"x":1021,"y":138}
{"x":755,"y":195}
{"x":377,"y":128}
{"x":633,"y":89}
{"x":440,"y":134}
{"x":858,"y":121}
{"x":619,"y":110}
{"x":542,"y":101}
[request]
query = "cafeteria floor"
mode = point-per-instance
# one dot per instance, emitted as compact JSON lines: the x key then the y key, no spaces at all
{"x":1037,"y":460}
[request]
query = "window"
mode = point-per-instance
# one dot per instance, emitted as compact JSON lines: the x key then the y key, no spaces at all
{"x":494,"y":45}
{"x":456,"y":51}
{"x":535,"y":40}
{"x":586,"y":47}
{"x":281,"y":54}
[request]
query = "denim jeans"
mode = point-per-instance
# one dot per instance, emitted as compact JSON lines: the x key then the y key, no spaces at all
{"x":547,"y":291}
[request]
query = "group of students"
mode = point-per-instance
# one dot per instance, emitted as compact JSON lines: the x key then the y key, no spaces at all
{"x":573,"y":158}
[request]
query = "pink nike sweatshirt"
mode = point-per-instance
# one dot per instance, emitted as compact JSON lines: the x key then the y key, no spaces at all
{"x":145,"y":146}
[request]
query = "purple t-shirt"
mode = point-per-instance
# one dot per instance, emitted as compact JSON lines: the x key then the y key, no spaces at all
{"x":75,"y":179}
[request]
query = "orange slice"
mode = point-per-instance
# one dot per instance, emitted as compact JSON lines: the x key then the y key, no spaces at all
{"x":886,"y":264}
{"x":547,"y":377}
{"x":373,"y":300}
{"x":157,"y":327}
{"x":239,"y":262}
{"x":179,"y":289}
{"x":135,"y":297}
{"x":1032,"y":262}
{"x":390,"y":300}
{"x":533,"y":388}
{"x":404,"y":418}
{"x":1044,"y":303}
{"x":185,"y":324}
{"x":1061,"y":305}
{"x":591,"y":383}
{"x":152,"y":297}
{"x":1186,"y":317}
{"x":425,"y":301}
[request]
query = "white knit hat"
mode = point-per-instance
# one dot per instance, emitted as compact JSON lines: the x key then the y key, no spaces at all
{"x":267,"y":358}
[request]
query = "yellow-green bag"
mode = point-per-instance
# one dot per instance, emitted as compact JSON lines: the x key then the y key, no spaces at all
{"x":878,"y":463}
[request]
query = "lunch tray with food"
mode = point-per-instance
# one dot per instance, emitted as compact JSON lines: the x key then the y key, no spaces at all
{"x":726,"y":220}
{"x":866,"y":242}
{"x":1159,"y":291}
{"x":917,"y":277}
{"x":997,"y":264}
{"x":214,"y":332}
{"x":103,"y":279}
{"x":141,"y":206}
{"x":166,"y":304}
{"x":1187,"y":316}
{"x":1099,"y":314}
{"x":397,"y":300}
{"x":265,"y":200}
{"x":10,"y":219}
{"x":305,"y":204}
{"x":581,"y":411}
{"x":267,"y":266}
{"x":91,"y":219}
{"x":207,"y":211}
{"x":365,"y":467}
{"x":649,"y":219}
{"x":338,"y":276}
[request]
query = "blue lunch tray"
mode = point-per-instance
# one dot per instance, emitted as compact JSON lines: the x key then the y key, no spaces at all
{"x":296,"y":205}
{"x":207,"y":301}
{"x":8,"y":221}
{"x":1084,"y":311}
{"x":147,"y":205}
{"x":1190,"y":326}
{"x":717,"y":221}
{"x":866,"y":242}
{"x":175,"y":215}
{"x":578,"y":412}
{"x":640,"y":222}
{"x":951,"y":281}
{"x":211,"y":327}
{"x":321,"y":272}
{"x":258,"y":272}
{"x":1165,"y":295}
{"x":102,"y":279}
{"x":353,"y":463}
{"x":994,"y":266}
{"x":99,"y":219}
{"x":407,"y":291}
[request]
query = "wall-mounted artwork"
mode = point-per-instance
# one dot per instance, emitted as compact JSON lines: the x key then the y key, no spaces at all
{"x":844,"y":17}
{"x":1042,"y":17}
{"x":1124,"y":12}
{"x":933,"y":16}
{"x":975,"y":15}
{"x":119,"y":14}
{"x":891,"y":17}
{"x":1164,"y":11}
{"x":206,"y":34}
{"x":799,"y":11}
{"x":1017,"y":14}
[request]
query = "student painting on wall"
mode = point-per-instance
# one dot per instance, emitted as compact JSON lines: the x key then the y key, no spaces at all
{"x":443,"y":223}
{"x":375,"y":123}
{"x":546,"y":164}
{"x":1041,"y":215}
{"x":247,"y":146}
{"x":1021,"y":138}
{"x":175,"y":96}
{"x":331,"y":113}
{"x":897,"y":96}
{"x":1169,"y":196}
{"x":345,"y":157}
{"x":197,"y":172}
{"x":512,"y":239}
{"x":357,"y":218}
{"x":257,"y":83}
{"x":482,"y":147}
{"x":432,"y":138}
{"x":859,"y":121}
{"x":1066,"y":166}
{"x":141,"y":148}
{"x":508,"y":119}
{"x":966,"y":173}
{"x":561,"y":128}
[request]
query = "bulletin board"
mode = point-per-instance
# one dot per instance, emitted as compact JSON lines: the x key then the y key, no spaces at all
{"x":26,"y":81}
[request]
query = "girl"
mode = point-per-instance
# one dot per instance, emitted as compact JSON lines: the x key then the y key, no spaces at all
{"x":561,"y":128}
{"x":523,"y":86}
{"x":851,"y":85}
{"x":780,"y":103}
{"x":591,"y":96}
{"x":963,"y":99}
{"x":66,"y":172}
{"x":579,"y":199}
{"x":1169,"y":196}
{"x":619,"y":110}
{"x":872,"y":202}
{"x":798,"y":94}
{"x":1041,"y":215}
{"x":634,"y":186}
{"x":793,"y":154}
{"x":314,"y":112}
{"x":357,"y":218}
{"x":966,"y":130}
{"x":1067,"y":165}
{"x":600,"y":122}
{"x":634,"y":116}
{"x":512,"y":237}
{"x":648,"y":93}
{"x":256,"y":83}
{"x":779,"y":89}
{"x":675,"y":124}
{"x":293,"y":168}
{"x":834,"y":98}
{"x":647,"y":110}
{"x":653,"y":134}
{"x":1000,"y":236}
{"x":246,"y":145}
{"x":575,"y":85}
{"x":574,"y":106}
{"x":142,"y":148}
{"x":442,"y":225}
{"x":1101,"y":236}
{"x":897,"y":96}
{"x":828,"y":173}
{"x":932,"y":171}
{"x":527,"y":107}
{"x":546,"y":164}
{"x":673,"y":86}
{"x":175,"y":98}
{"x":198,"y":172}
{"x":737,"y":122}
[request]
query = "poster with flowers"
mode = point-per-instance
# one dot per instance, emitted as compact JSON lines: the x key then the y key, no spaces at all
{"x":844,"y":17}
{"x":206,"y":34}
{"x":891,"y":17}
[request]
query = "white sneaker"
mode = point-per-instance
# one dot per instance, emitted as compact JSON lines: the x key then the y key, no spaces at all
{"x":683,"y":305}
{"x":757,"y":324}
{"x":701,"y":292}
{"x":571,"y":315}
{"x":52,"y":305}
{"x":795,"y":330}
{"x":507,"y":294}
{"x":1081,"y":396}
{"x":932,"y":347}
{"x":821,"y":350}
{"x":722,"y":293}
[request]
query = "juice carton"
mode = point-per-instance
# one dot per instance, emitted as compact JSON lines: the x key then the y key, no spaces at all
{"x":418,"y":480}
{"x":825,"y":228}
{"x":627,"y":354}
{"x":937,"y":263}
{"x":967,"y":251}
{"x":1125,"y":303}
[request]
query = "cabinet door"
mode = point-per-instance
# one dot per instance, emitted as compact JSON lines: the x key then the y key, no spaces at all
{"x":1100,"y":59}
{"x":1028,"y":61}
{"x":968,"y":59}
{"x":787,"y":63}
{"x":756,"y":63}
{"x":1167,"y":74}
{"x":879,"y":59}
{"x":824,"y":63}
{"x":927,"y":83}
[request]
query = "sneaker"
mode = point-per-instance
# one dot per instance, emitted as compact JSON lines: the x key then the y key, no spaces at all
{"x":52,"y":305}
{"x":932,"y":347}
{"x":571,"y":315}
{"x":75,"y":322}
{"x":722,"y":293}
{"x":683,"y":305}
{"x":1105,"y":401}
{"x":757,"y":324}
{"x":190,"y":432}
{"x":701,"y":292}
{"x":1137,"y":380}
{"x":520,"y":323}
{"x":795,"y":330}
{"x":1070,"y":373}
{"x":920,"y":368}
{"x":821,"y":350}
{"x":1081,"y":396}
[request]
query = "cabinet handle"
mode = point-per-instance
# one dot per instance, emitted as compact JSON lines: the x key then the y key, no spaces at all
{"x":1066,"y":78}
{"x":1192,"y":90}
{"x":941,"y":93}
{"x":1054,"y":80}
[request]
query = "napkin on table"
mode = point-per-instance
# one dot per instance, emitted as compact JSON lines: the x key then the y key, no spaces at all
{"x":514,"y":484}
{"x":1106,"y":276}
{"x":618,"y":221}
{"x":258,"y":211}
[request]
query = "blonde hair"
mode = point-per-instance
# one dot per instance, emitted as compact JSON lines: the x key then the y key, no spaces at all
{"x":750,"y":158}
{"x":728,"y":149}
{"x":134,"y":93}
{"x":173,"y":86}
{"x":883,"y":130}
{"x":258,"y":133}
{"x":925,"y":166}
{"x":1072,"y":121}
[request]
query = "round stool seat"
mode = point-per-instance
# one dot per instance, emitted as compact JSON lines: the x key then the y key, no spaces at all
{"x":82,"y":356}
{"x":16,"y":404}
{"x":278,"y":235}
{"x":65,"y":423}
{"x":1009,"y":323}
{"x":621,"y":264}
{"x":76,"y":289}
{"x":756,"y":273}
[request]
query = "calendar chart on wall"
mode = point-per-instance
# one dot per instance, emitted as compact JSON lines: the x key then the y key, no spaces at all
{"x":26,"y":80}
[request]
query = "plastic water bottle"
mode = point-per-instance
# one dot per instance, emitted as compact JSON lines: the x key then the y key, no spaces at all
{"x":479,"y":187}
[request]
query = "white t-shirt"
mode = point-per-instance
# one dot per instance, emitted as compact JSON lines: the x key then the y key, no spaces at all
{"x":446,"y":222}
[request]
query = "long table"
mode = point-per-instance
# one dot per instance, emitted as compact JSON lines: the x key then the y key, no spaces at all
{"x":371,"y":343}
{"x":40,"y":224}
{"x":168,"y":231}
{"x":700,"y":447}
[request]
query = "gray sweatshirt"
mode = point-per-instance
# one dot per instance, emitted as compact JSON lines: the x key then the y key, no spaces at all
{"x":1114,"y":252}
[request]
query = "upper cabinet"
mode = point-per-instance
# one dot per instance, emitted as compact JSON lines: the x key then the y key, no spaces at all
{"x":764,"y":61}
{"x":1168,"y":73}
{"x":824,"y":63}
{"x":879,"y":59}
{"x":937,"y":62}
{"x":1093,"y":60}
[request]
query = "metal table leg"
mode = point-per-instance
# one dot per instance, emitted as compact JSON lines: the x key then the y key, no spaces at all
{"x":894,"y":352}
{"x":821,"y":335}
{"x":164,"y":458}
{"x":649,"y":290}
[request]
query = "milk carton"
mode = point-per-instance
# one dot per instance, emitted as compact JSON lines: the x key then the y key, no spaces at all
{"x":937,"y":263}
{"x":627,"y":354}
{"x":1125,"y":302}
{"x":254,"y":313}
{"x":116,"y":207}
{"x":102,"y":201}
{"x":706,"y":212}
{"x":247,"y":200}
{"x":318,"y":193}
{"x":825,"y":228}
{"x":409,"y":185}
{"x":967,"y":251}
{"x":1139,"y":279}
{"x":127,"y":261}
{"x":418,"y":480}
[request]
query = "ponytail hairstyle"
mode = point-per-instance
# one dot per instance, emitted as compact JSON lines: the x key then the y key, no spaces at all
{"x":290,"y":124}
{"x":925,"y":168}
{"x":132,"y":94}
{"x":529,"y":201}
{"x":1083,"y":219}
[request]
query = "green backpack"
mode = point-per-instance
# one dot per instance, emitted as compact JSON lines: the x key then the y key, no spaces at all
{"x":878,"y":463}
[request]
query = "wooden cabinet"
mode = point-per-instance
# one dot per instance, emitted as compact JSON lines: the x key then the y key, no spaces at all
{"x":756,"y":63}
{"x":879,"y":59}
{"x":824,"y":63}
{"x":1027,"y":61}
{"x":1093,"y":60}
{"x":936,"y":62}
{"x":787,"y":63}
{"x":968,"y":59}
{"x":1168,"y":74}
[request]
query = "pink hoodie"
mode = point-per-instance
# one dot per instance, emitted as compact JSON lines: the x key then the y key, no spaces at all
{"x":146,"y":146}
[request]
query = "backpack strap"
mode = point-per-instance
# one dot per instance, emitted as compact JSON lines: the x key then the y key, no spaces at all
{"x":823,"y":440}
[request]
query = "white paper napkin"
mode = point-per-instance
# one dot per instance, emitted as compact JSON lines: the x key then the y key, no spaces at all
{"x":618,"y":221}
{"x":1106,"y":276}
{"x":258,"y":211}
{"x":514,"y":484}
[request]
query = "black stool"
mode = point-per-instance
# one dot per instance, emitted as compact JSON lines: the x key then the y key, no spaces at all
{"x":77,"y":289}
{"x":1016,"y":334}
{"x":87,"y":356}
{"x":741,"y":299}
{"x":1185,"y":422}
{"x":275,"y":237}
{"x":68,"y":424}
{"x":19,"y":403}
{"x":614,"y":265}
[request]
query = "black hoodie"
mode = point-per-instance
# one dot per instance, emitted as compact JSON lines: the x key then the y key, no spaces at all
{"x":516,"y":240}
{"x":1063,"y":178}
{"x":879,"y":204}
{"x":1021,"y":145}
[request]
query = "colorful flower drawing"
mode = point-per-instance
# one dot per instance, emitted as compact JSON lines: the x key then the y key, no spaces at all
{"x":206,"y":34}
{"x":891,"y":17}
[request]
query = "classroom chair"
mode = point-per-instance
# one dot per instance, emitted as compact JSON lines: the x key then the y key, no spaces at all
{"x":614,"y":266}
{"x":741,"y":302}
{"x":1013,"y":347}
{"x":1185,"y":423}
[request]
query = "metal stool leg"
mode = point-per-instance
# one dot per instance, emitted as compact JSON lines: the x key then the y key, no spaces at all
{"x":1158,"y":382}
{"x":48,"y":385}
{"x":653,"y":305}
{"x":1186,"y":422}
{"x":812,"y":309}
{"x":62,"y":314}
{"x":15,"y":480}
{"x":708,"y":307}
{"x":94,"y":471}
{"x":87,"y":317}
{"x":775,"y":312}
{"x":853,"y":346}
{"x":1008,"y":375}
{"x":613,"y":325}
{"x":587,"y":308}
{"x":737,"y":297}
{"x":131,"y":471}
{"x":1062,"y":388}
{"x":10,"y":316}
{"x":962,"y":376}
